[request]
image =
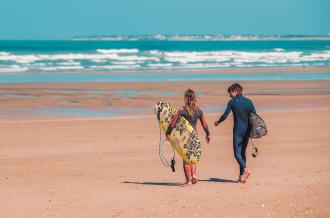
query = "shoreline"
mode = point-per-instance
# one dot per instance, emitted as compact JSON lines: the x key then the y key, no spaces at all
{"x":198,"y":71}
{"x":242,"y":75}
{"x":68,"y":119}
{"x":107,"y":99}
{"x":157,"y":85}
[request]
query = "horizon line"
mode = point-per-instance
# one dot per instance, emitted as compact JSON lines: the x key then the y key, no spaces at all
{"x":198,"y":37}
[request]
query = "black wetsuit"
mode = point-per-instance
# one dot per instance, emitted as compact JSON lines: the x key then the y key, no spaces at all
{"x":241,"y":108}
{"x":199,"y":115}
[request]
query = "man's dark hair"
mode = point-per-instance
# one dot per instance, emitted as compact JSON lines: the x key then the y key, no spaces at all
{"x":235,"y":87}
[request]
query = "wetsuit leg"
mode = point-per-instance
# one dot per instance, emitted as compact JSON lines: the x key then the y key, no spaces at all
{"x":244,"y":146}
{"x":238,"y":147}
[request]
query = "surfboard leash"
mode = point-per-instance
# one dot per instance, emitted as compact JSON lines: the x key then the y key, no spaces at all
{"x":161,"y":155}
{"x":254,"y":149}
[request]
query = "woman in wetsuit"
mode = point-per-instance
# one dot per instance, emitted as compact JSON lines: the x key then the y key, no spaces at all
{"x":192,"y":113}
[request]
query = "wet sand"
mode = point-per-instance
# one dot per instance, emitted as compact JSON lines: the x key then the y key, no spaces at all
{"x":25,"y":101}
{"x":72,"y":166}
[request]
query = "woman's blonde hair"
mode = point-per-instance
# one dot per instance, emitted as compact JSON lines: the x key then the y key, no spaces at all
{"x":190,"y":101}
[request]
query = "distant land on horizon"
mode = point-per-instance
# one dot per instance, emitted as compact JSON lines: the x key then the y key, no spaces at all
{"x":188,"y":37}
{"x":182,"y":37}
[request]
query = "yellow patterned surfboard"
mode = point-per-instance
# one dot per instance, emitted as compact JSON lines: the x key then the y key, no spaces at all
{"x":183,"y":136}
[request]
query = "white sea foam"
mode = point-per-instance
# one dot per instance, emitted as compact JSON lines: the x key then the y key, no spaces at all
{"x":155,"y":52}
{"x":202,"y":66}
{"x":174,"y":57}
{"x":115,"y":67}
{"x":70,"y":63}
{"x":161,"y":65}
{"x":24,"y":59}
{"x":4,"y":53}
{"x":12,"y":68}
{"x":279,"y":49}
{"x":316,"y":57}
{"x":136,"y":58}
{"x":126,"y":62}
{"x":118,"y":59}
{"x":60,"y":68}
{"x":186,"y":57}
{"x":234,"y":56}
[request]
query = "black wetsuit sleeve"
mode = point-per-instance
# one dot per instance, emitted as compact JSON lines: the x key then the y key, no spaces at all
{"x":173,"y":122}
{"x":226,"y":113}
{"x":204,"y":124}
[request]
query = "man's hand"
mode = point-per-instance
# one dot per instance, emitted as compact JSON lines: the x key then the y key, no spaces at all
{"x":216,"y":123}
{"x":168,"y":137}
{"x":208,"y":139}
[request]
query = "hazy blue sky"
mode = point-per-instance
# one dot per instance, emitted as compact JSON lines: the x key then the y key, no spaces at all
{"x":45,"y":19}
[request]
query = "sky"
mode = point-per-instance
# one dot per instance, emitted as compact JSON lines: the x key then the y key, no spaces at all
{"x":58,"y":19}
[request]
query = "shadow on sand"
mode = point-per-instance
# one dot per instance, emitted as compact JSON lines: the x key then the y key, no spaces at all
{"x":154,"y":183}
{"x":218,"y":180}
{"x":180,"y":184}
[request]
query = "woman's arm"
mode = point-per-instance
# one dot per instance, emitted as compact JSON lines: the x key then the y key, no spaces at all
{"x":173,"y":122}
{"x":204,"y":124}
{"x":205,"y":127}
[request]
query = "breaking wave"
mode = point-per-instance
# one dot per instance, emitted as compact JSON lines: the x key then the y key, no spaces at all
{"x":142,"y":56}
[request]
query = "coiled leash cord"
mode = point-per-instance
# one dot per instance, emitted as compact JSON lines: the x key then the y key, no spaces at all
{"x":161,"y":155}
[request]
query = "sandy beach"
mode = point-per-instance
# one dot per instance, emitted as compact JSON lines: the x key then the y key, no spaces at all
{"x":68,"y":165}
{"x":79,"y":80}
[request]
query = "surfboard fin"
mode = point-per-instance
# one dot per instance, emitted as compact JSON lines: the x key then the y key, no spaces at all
{"x":255,"y":152}
{"x":173,"y":165}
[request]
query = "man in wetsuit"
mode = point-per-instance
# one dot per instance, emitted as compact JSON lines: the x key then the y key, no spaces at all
{"x":241,"y":108}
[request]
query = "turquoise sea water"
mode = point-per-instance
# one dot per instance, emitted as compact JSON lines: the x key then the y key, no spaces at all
{"x":87,"y":60}
{"x":115,"y":59}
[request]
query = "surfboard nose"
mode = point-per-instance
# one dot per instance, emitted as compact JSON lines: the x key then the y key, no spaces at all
{"x":158,"y":105}
{"x":157,"y":109}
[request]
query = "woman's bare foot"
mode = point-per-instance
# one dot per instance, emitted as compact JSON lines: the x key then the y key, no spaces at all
{"x":194,"y":180}
{"x":188,"y":183}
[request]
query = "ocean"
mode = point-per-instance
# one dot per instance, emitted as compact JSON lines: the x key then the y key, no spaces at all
{"x":89,"y":59}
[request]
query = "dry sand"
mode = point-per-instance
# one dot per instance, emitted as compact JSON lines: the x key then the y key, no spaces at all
{"x":109,"y":167}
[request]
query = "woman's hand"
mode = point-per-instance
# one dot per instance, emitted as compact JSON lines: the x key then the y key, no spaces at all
{"x":208,"y":139}
{"x":168,"y":137}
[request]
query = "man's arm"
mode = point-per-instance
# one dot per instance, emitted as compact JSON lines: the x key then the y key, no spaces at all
{"x":225,"y":114}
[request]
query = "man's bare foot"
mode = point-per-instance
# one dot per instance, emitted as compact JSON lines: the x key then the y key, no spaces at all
{"x":246,"y":174}
{"x":194,"y":180}
{"x":240,"y":179}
